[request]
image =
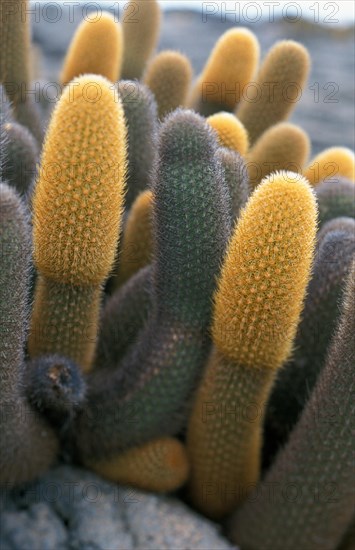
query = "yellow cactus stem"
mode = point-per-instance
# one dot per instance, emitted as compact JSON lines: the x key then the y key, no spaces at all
{"x":231,"y":132}
{"x":79,"y":193}
{"x":284,"y":146}
{"x":169,"y":77}
{"x":277,"y":89}
{"x":97,"y":48}
{"x":77,"y":211}
{"x":331,"y":164}
{"x":258,"y":302}
{"x":137,"y":242}
{"x":230,"y":67}
{"x":160,"y":466}
{"x":275,"y":235}
{"x":141,"y":26}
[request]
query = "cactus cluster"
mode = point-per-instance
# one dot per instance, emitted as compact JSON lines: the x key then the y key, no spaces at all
{"x":257,"y":306}
{"x":320,"y":450}
{"x":177,"y":280}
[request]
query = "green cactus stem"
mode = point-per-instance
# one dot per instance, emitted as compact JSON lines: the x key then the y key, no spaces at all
{"x":141,"y":116}
{"x":295,"y":382}
{"x":335,"y":198}
{"x":123,"y":317}
{"x":28,"y":444}
{"x":21,"y":156}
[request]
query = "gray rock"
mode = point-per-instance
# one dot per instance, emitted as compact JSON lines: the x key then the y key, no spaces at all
{"x":38,"y":527}
{"x":160,"y":523}
{"x":73,"y":509}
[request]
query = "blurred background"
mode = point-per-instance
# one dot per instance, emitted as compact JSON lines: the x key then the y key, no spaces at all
{"x":326,"y":109}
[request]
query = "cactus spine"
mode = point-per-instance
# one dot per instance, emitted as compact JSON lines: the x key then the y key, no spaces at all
{"x":257,"y":306}
{"x":97,"y":48}
{"x":335,"y":198}
{"x":281,"y":147}
{"x":331,"y":164}
{"x":6,"y":113}
{"x":20,"y":158}
{"x":296,"y":380}
{"x":77,"y":213}
{"x":64,"y":320}
{"x":141,"y":26}
{"x":157,"y":375}
{"x":137,"y":241}
{"x":318,"y":473}
{"x":231,"y":132}
{"x":5,"y":119}
{"x":280,"y":79}
{"x":28,"y":444}
{"x":228,"y":70}
{"x":160,"y":466}
{"x":123,"y":317}
{"x":140,"y":111}
{"x":236,"y":178}
{"x":169,"y":76}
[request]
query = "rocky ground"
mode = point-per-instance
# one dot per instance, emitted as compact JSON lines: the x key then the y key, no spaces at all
{"x":72,"y":509}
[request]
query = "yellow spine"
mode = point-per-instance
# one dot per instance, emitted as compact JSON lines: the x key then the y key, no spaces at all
{"x":281,"y":147}
{"x":331,"y":163}
{"x":277,"y":88}
{"x":265,"y":272}
{"x":141,"y":25}
{"x":230,"y":67}
{"x":231,"y":132}
{"x":258,"y":302}
{"x":160,"y":466}
{"x":169,"y":77}
{"x":77,"y":210}
{"x":97,"y":48}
